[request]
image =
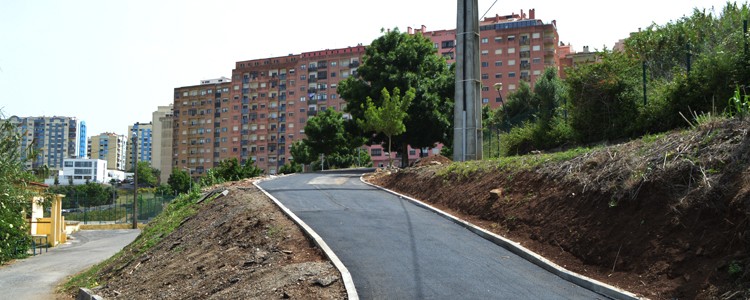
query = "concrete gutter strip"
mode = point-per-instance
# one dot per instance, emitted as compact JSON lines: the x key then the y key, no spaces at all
{"x":516,"y":248}
{"x":86,"y":294}
{"x":351,"y":291}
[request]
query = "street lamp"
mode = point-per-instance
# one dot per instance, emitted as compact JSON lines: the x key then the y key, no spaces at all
{"x":499,"y":87}
{"x":135,"y":180}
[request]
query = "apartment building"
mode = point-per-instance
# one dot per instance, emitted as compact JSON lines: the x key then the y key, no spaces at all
{"x":513,"y":48}
{"x":82,"y":140}
{"x":110,"y":147}
{"x":143,"y":138}
{"x":276,"y":96}
{"x":161,"y":152}
{"x":201,"y":133}
{"x":54,"y":138}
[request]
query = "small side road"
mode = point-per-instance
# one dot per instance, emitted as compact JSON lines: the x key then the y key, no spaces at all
{"x":37,"y":276}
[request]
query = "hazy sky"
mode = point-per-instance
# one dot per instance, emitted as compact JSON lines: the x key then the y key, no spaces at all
{"x":111,"y":63}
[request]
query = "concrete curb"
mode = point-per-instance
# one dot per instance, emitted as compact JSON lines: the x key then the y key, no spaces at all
{"x":578,"y":279}
{"x":86,"y":294}
{"x":351,"y":291}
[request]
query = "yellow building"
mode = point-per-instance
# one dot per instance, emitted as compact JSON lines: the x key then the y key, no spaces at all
{"x":110,"y":147}
{"x":51,"y":229}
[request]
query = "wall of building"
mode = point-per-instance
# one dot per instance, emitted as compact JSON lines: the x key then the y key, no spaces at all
{"x":54,"y":138}
{"x":161,"y":153}
{"x":110,"y":147}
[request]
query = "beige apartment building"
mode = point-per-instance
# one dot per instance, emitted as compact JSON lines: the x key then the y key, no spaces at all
{"x":110,"y":147}
{"x":161,"y":152}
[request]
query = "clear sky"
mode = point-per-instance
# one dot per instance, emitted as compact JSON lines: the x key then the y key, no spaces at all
{"x":111,"y":63}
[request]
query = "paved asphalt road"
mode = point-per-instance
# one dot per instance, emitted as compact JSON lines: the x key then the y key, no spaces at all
{"x":396,"y":250}
{"x":36,"y":276}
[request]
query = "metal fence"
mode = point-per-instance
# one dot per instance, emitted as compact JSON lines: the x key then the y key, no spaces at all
{"x":119,"y":211}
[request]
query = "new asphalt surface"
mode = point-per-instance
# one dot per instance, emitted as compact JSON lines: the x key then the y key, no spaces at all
{"x":397,"y":250}
{"x":35,"y":277}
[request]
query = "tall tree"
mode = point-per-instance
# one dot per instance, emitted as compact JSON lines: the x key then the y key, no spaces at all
{"x":14,"y":194}
{"x":548,"y":92}
{"x":146,"y":174}
{"x":388,"y":119}
{"x":325,"y":133}
{"x":404,"y":61}
{"x":179,"y":181}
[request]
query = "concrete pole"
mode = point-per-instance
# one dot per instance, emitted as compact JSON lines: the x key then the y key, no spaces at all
{"x":467,"y":115}
{"x":135,"y":181}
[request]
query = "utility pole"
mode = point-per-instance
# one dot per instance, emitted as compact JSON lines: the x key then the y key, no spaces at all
{"x":135,"y":180}
{"x":467,"y":115}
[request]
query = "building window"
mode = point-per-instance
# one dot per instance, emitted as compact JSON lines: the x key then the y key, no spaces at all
{"x":485,"y":52}
{"x":498,"y":51}
{"x":485,"y":64}
{"x":511,"y":50}
{"x":498,"y":99}
{"x":376,"y":152}
{"x":485,"y":40}
{"x":512,"y":62}
{"x":485,"y":76}
{"x":485,"y":100}
{"x":511,"y":38}
{"x":535,"y":48}
{"x":511,"y":74}
{"x":512,"y":87}
{"x":536,"y":60}
{"x":535,"y":35}
{"x":498,"y":63}
{"x":498,"y":75}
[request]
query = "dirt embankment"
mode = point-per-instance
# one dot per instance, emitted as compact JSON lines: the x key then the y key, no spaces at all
{"x":665,"y":216}
{"x":236,"y":247}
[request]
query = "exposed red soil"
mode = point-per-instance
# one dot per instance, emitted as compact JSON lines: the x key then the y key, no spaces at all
{"x":666,"y":219}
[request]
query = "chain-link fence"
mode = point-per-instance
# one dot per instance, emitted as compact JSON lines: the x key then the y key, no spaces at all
{"x":119,"y":211}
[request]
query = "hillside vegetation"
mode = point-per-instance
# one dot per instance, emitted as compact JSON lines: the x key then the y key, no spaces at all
{"x":665,"y":216}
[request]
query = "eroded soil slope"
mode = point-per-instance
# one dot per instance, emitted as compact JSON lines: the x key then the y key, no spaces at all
{"x":665,"y":216}
{"x":236,"y":247}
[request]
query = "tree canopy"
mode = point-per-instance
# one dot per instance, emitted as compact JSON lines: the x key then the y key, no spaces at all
{"x":179,"y":181}
{"x":15,"y":194}
{"x":388,"y":119}
{"x":405,"y":61}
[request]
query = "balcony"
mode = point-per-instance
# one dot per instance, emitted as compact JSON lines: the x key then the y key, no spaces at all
{"x":312,"y":80}
{"x":312,"y":112}
{"x":312,"y":68}
{"x":525,"y":66}
{"x":312,"y":90}
{"x":354,"y":64}
{"x":524,"y":41}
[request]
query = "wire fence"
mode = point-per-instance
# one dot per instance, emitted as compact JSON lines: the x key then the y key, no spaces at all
{"x":119,"y":211}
